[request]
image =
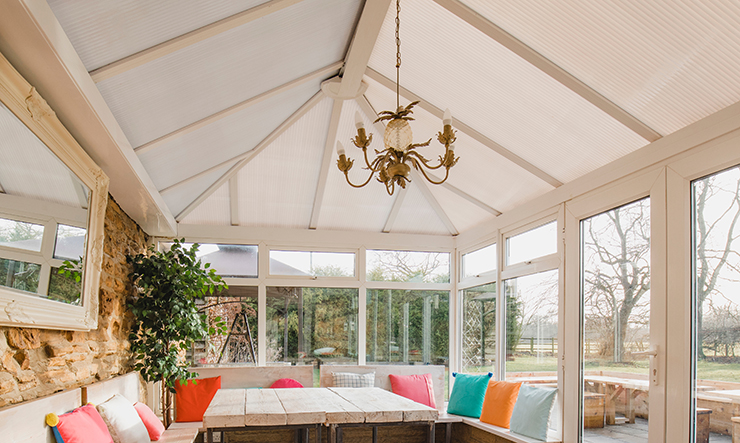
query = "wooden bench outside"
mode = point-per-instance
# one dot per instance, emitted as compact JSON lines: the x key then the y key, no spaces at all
{"x":703,"y":418}
{"x":735,"y":429}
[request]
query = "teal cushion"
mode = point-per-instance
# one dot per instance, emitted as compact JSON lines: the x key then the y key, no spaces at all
{"x":531,"y":413}
{"x":467,"y":394}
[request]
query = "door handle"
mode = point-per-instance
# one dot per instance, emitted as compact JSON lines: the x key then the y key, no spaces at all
{"x":653,"y":354}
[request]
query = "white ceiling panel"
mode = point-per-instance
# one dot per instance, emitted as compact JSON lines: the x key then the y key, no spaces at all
{"x":667,"y":63}
{"x":499,"y":94}
{"x":462,"y":213}
{"x":180,"y":198}
{"x":103,"y":31}
{"x":183,"y":87}
{"x":224,"y":139}
{"x":416,"y":216}
{"x":276,"y":189}
{"x":215,"y":210}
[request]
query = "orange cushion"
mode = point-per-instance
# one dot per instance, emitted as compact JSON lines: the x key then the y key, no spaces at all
{"x":499,"y":403}
{"x":193,"y":397}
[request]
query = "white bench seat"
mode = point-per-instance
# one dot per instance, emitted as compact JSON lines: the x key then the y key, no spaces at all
{"x":188,"y":425}
{"x":503,"y":432}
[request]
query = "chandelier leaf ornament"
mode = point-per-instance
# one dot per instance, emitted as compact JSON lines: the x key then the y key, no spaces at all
{"x":393,"y":164}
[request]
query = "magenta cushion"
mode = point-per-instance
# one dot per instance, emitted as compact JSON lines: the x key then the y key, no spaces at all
{"x":286,"y":383}
{"x":153,"y":424}
{"x":83,"y":425}
{"x":417,"y":387}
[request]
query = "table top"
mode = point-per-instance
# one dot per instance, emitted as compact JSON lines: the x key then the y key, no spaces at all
{"x":298,"y":406}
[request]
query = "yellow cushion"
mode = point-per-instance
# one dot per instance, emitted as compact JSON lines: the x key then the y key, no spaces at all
{"x":499,"y":403}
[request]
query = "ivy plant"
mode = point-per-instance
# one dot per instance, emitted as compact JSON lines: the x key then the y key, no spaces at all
{"x":167,"y":322}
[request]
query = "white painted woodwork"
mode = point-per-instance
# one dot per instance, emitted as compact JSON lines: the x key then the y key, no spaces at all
{"x":423,"y":186}
{"x":227,"y":409}
{"x":301,"y":407}
{"x":27,"y":418}
{"x":331,"y":88}
{"x":233,"y":377}
{"x":263,"y":408}
{"x":363,"y":42}
{"x":383,"y":371}
{"x":189,"y":39}
{"x":127,"y":385}
{"x":331,"y":138}
{"x":556,"y":72}
{"x":238,"y":107}
{"x":245,"y":158}
{"x":184,"y":435}
{"x":457,"y":124}
{"x":401,"y":194}
{"x":505,"y":433}
{"x":337,"y":409}
{"x":234,"y":200}
{"x":466,"y":196}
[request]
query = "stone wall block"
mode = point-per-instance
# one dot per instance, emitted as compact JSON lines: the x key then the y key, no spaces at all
{"x":7,"y":383}
{"x":24,"y":338}
{"x":59,"y":348}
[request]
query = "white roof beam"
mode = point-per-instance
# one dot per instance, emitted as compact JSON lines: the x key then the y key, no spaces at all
{"x":234,"y":200}
{"x":331,"y":138}
{"x":427,"y":106}
{"x":424,"y":188}
{"x":191,"y":38}
{"x":396,"y":208}
{"x":238,"y":107}
{"x":245,"y":158}
{"x":460,"y":193}
{"x":548,"y":67}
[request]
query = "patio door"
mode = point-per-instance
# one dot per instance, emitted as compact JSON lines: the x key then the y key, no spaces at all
{"x":621,"y":312}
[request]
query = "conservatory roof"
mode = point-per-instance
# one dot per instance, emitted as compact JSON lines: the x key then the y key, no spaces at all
{"x":218,"y":110}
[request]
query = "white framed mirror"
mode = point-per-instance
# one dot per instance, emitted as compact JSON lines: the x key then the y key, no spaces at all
{"x":53,"y":199}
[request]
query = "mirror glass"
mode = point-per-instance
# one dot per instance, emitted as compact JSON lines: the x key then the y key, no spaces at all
{"x":43,"y":217}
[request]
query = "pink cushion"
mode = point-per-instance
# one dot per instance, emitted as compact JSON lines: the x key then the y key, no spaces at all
{"x":83,"y":425}
{"x":153,"y":424}
{"x":286,"y":383}
{"x":417,"y":387}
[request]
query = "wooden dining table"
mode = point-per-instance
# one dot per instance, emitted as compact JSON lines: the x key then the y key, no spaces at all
{"x":303,"y":409}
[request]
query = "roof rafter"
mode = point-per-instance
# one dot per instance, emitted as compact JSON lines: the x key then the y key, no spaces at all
{"x":396,"y":208}
{"x":245,"y":158}
{"x":331,"y":137}
{"x":238,"y":107}
{"x":424,"y":188}
{"x":188,"y":39}
{"x":234,"y":200}
{"x":427,"y":106}
{"x":548,"y":67}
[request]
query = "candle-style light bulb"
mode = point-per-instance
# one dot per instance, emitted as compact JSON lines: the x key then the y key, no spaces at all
{"x":447,"y":118}
{"x":452,"y":148}
{"x":359,"y":122}
{"x":340,"y":148}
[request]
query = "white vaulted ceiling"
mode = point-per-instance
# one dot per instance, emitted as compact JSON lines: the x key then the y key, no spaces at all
{"x":222,"y":100}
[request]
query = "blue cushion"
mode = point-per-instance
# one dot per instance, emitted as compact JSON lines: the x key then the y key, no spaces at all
{"x":467,"y":394}
{"x":531,"y":413}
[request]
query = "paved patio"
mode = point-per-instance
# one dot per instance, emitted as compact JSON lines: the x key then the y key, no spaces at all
{"x":633,"y":433}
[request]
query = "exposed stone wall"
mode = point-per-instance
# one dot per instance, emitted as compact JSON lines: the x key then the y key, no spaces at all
{"x":39,"y":362}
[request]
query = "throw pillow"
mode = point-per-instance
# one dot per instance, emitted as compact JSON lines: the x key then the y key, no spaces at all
{"x":417,"y":387}
{"x":467,"y":394}
{"x":153,"y":424}
{"x":123,"y":421}
{"x":531,"y":413}
{"x":353,"y":380}
{"x":83,"y":425}
{"x":286,"y":383}
{"x":499,"y":403}
{"x":193,"y":397}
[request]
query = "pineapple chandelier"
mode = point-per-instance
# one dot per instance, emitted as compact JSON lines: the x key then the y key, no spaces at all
{"x":393,"y":164}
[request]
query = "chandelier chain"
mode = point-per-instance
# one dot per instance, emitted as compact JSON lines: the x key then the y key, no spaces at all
{"x":398,"y":53}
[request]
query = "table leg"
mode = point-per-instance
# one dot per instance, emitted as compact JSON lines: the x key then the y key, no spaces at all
{"x":306,"y":435}
{"x":431,"y":432}
{"x":209,"y":435}
{"x":318,"y":433}
{"x":332,"y":433}
{"x":611,"y":408}
{"x":448,"y":432}
{"x":375,"y":434}
{"x":340,"y":437}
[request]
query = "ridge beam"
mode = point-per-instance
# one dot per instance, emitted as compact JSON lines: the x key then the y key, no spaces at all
{"x":395,"y":209}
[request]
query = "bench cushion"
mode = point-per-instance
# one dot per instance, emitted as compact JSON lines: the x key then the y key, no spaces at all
{"x":467,"y":394}
{"x":83,"y":425}
{"x":499,"y":403}
{"x":193,"y":397}
{"x":531,"y":413}
{"x":154,"y":426}
{"x":124,"y":423}
{"x":416,"y":387}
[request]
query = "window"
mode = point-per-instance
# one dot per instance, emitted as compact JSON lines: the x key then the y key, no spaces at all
{"x":19,"y":275}
{"x":21,"y":235}
{"x":479,"y":262}
{"x":69,"y":243}
{"x":408,"y":266}
{"x":532,"y":244}
{"x":235,"y":261}
{"x":312,"y":263}
{"x":479,"y":329}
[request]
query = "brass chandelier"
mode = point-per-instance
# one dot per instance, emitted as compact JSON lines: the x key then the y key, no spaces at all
{"x":393,"y":164}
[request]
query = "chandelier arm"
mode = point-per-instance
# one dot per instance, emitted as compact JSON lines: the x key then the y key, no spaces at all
{"x":447,"y":173}
{"x":424,"y":161}
{"x":346,"y":175}
{"x":367,"y":162}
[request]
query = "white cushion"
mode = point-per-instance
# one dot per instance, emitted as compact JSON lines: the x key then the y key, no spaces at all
{"x":354,"y":380}
{"x":124,"y":423}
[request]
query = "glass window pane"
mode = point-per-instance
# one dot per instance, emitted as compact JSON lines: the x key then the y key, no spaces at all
{"x":716,"y":287}
{"x":479,"y":329}
{"x":532,"y":325}
{"x":66,"y":286}
{"x":537,"y":242}
{"x":616,"y":318}
{"x":21,"y":235}
{"x":238,"y":261}
{"x":19,"y":275}
{"x":312,"y":325}
{"x":70,"y":242}
{"x":408,"y":266}
{"x":312,"y":263}
{"x":236,"y":308}
{"x":479,"y":262}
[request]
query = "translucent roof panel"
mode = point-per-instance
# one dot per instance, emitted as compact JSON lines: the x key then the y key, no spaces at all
{"x":224,"y":139}
{"x":277,"y":188}
{"x":417,"y":216}
{"x":499,"y":94}
{"x":103,"y":31}
{"x":183,"y":87}
{"x":181,"y":197}
{"x":667,"y":63}
{"x":462,"y":213}
{"x":215,"y":210}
